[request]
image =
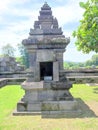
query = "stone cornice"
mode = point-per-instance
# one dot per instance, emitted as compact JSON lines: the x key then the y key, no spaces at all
{"x":47,"y":44}
{"x":52,"y":41}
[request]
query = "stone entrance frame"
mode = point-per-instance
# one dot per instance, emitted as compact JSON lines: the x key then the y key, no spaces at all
{"x":46,"y":57}
{"x":46,"y":92}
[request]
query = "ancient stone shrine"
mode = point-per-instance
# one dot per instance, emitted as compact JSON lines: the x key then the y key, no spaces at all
{"x":46,"y":88}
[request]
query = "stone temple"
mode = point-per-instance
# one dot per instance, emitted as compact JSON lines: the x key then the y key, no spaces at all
{"x":46,"y":88}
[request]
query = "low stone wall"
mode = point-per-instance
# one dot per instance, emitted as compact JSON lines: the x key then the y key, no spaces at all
{"x":12,"y":78}
{"x":82,"y":80}
{"x":15,"y":81}
{"x":75,"y":76}
{"x":3,"y":82}
{"x":22,"y":74}
{"x":81,"y":72}
{"x":11,"y":81}
{"x":81,"y":75}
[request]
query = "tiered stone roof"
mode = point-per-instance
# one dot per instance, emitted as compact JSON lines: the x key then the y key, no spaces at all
{"x":46,"y":28}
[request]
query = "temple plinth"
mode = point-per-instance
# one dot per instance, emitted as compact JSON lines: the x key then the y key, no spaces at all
{"x":46,"y":88}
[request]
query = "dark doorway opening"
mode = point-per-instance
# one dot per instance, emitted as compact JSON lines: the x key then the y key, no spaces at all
{"x":46,"y":70}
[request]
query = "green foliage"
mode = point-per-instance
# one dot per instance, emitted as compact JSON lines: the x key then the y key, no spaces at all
{"x":20,"y":60}
{"x":87,"y":32}
{"x":8,"y":50}
{"x":24,"y":55}
{"x":92,"y":61}
{"x":73,"y":65}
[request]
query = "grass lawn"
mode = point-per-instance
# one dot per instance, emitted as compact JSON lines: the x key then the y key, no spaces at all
{"x":86,"y":96}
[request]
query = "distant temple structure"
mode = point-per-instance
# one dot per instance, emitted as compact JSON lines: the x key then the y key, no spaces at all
{"x":46,"y":88}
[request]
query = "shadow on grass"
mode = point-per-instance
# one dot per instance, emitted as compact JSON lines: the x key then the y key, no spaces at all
{"x":96,"y":90}
{"x":83,"y":112}
{"x":85,"y":109}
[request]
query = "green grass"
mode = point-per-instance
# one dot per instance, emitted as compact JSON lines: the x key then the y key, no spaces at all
{"x":9,"y":96}
{"x":86,"y":95}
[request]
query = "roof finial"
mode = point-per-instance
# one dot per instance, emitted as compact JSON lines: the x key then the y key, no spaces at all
{"x":45,"y":2}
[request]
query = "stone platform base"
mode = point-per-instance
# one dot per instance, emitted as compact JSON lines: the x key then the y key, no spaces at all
{"x":26,"y":113}
{"x":53,"y":109}
{"x":50,"y":114}
{"x":59,"y":105}
{"x":61,"y":114}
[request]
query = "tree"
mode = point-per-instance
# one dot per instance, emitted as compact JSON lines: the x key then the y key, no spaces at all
{"x":88,"y":63}
{"x":95,"y":59}
{"x":87,"y":32}
{"x":24,"y":55}
{"x":92,"y":61}
{"x":8,"y":50}
{"x":73,"y":65}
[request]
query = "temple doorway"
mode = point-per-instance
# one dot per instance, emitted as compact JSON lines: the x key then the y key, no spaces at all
{"x":46,"y":70}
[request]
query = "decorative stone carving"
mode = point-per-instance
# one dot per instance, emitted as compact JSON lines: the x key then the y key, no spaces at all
{"x":61,"y":85}
{"x":46,"y":82}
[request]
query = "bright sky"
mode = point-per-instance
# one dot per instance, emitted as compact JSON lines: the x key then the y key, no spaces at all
{"x":18,"y":16}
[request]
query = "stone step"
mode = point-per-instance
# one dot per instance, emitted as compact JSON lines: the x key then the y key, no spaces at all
{"x":59,"y":105}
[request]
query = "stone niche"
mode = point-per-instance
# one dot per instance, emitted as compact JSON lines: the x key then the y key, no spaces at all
{"x":46,"y":92}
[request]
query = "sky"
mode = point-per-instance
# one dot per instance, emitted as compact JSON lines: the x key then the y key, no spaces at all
{"x":18,"y":16}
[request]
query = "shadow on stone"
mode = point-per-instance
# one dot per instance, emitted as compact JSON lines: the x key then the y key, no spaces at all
{"x":83,"y":112}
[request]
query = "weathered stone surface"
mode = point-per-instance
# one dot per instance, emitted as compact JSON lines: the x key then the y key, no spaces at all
{"x":31,"y":96}
{"x":61,"y":85}
{"x":32,"y":85}
{"x":61,"y":114}
{"x":37,"y":72}
{"x":8,"y":64}
{"x":68,"y":105}
{"x":47,"y":85}
{"x":59,"y":105}
{"x":46,"y":28}
{"x":42,"y":96}
{"x":46,"y":55}
{"x":21,"y":106}
{"x":50,"y":106}
{"x":55,"y":71}
{"x":34,"y":107}
{"x":46,"y":88}
{"x":3,"y":82}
